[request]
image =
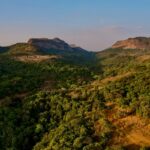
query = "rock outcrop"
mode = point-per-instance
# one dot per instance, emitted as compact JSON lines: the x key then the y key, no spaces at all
{"x":55,"y":43}
{"x":142,"y":43}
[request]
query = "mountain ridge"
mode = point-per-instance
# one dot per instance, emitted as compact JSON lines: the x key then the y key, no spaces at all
{"x":44,"y":44}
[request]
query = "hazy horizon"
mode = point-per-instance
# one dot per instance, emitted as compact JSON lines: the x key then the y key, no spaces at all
{"x":91,"y":25}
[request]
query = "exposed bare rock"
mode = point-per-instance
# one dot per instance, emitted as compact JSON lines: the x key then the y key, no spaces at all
{"x":55,"y":43}
{"x":141,"y":43}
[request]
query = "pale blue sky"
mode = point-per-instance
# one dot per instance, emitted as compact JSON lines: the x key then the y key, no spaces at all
{"x":92,"y":24}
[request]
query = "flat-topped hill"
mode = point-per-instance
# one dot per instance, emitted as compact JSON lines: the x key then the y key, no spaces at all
{"x":133,"y":43}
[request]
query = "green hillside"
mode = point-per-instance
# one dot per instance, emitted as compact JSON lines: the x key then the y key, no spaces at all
{"x":76,"y":100}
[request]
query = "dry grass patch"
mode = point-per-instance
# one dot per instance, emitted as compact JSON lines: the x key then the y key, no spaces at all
{"x":128,"y":129}
{"x":143,"y":58}
{"x":35,"y":58}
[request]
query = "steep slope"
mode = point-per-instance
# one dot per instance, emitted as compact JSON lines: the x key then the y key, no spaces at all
{"x":55,"y":43}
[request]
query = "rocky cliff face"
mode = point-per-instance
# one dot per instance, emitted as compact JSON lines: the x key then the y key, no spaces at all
{"x":55,"y":43}
{"x":141,"y":43}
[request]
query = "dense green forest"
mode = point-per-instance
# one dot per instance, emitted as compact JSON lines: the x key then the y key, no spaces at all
{"x":67,"y":103}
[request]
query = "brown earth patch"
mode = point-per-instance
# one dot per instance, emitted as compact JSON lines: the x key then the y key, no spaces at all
{"x":143,"y":58}
{"x":130,"y":130}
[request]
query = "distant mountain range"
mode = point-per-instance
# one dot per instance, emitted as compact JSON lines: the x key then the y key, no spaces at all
{"x":59,"y":46}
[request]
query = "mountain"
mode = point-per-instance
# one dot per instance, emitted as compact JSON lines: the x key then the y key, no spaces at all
{"x":55,"y":43}
{"x":43,"y":45}
{"x":141,"y":43}
{"x":55,"y":48}
{"x":123,"y":56}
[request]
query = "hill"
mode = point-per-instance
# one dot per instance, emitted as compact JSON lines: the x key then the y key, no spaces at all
{"x":55,"y":43}
{"x":41,"y":49}
{"x":141,"y":43}
{"x":100,"y":103}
